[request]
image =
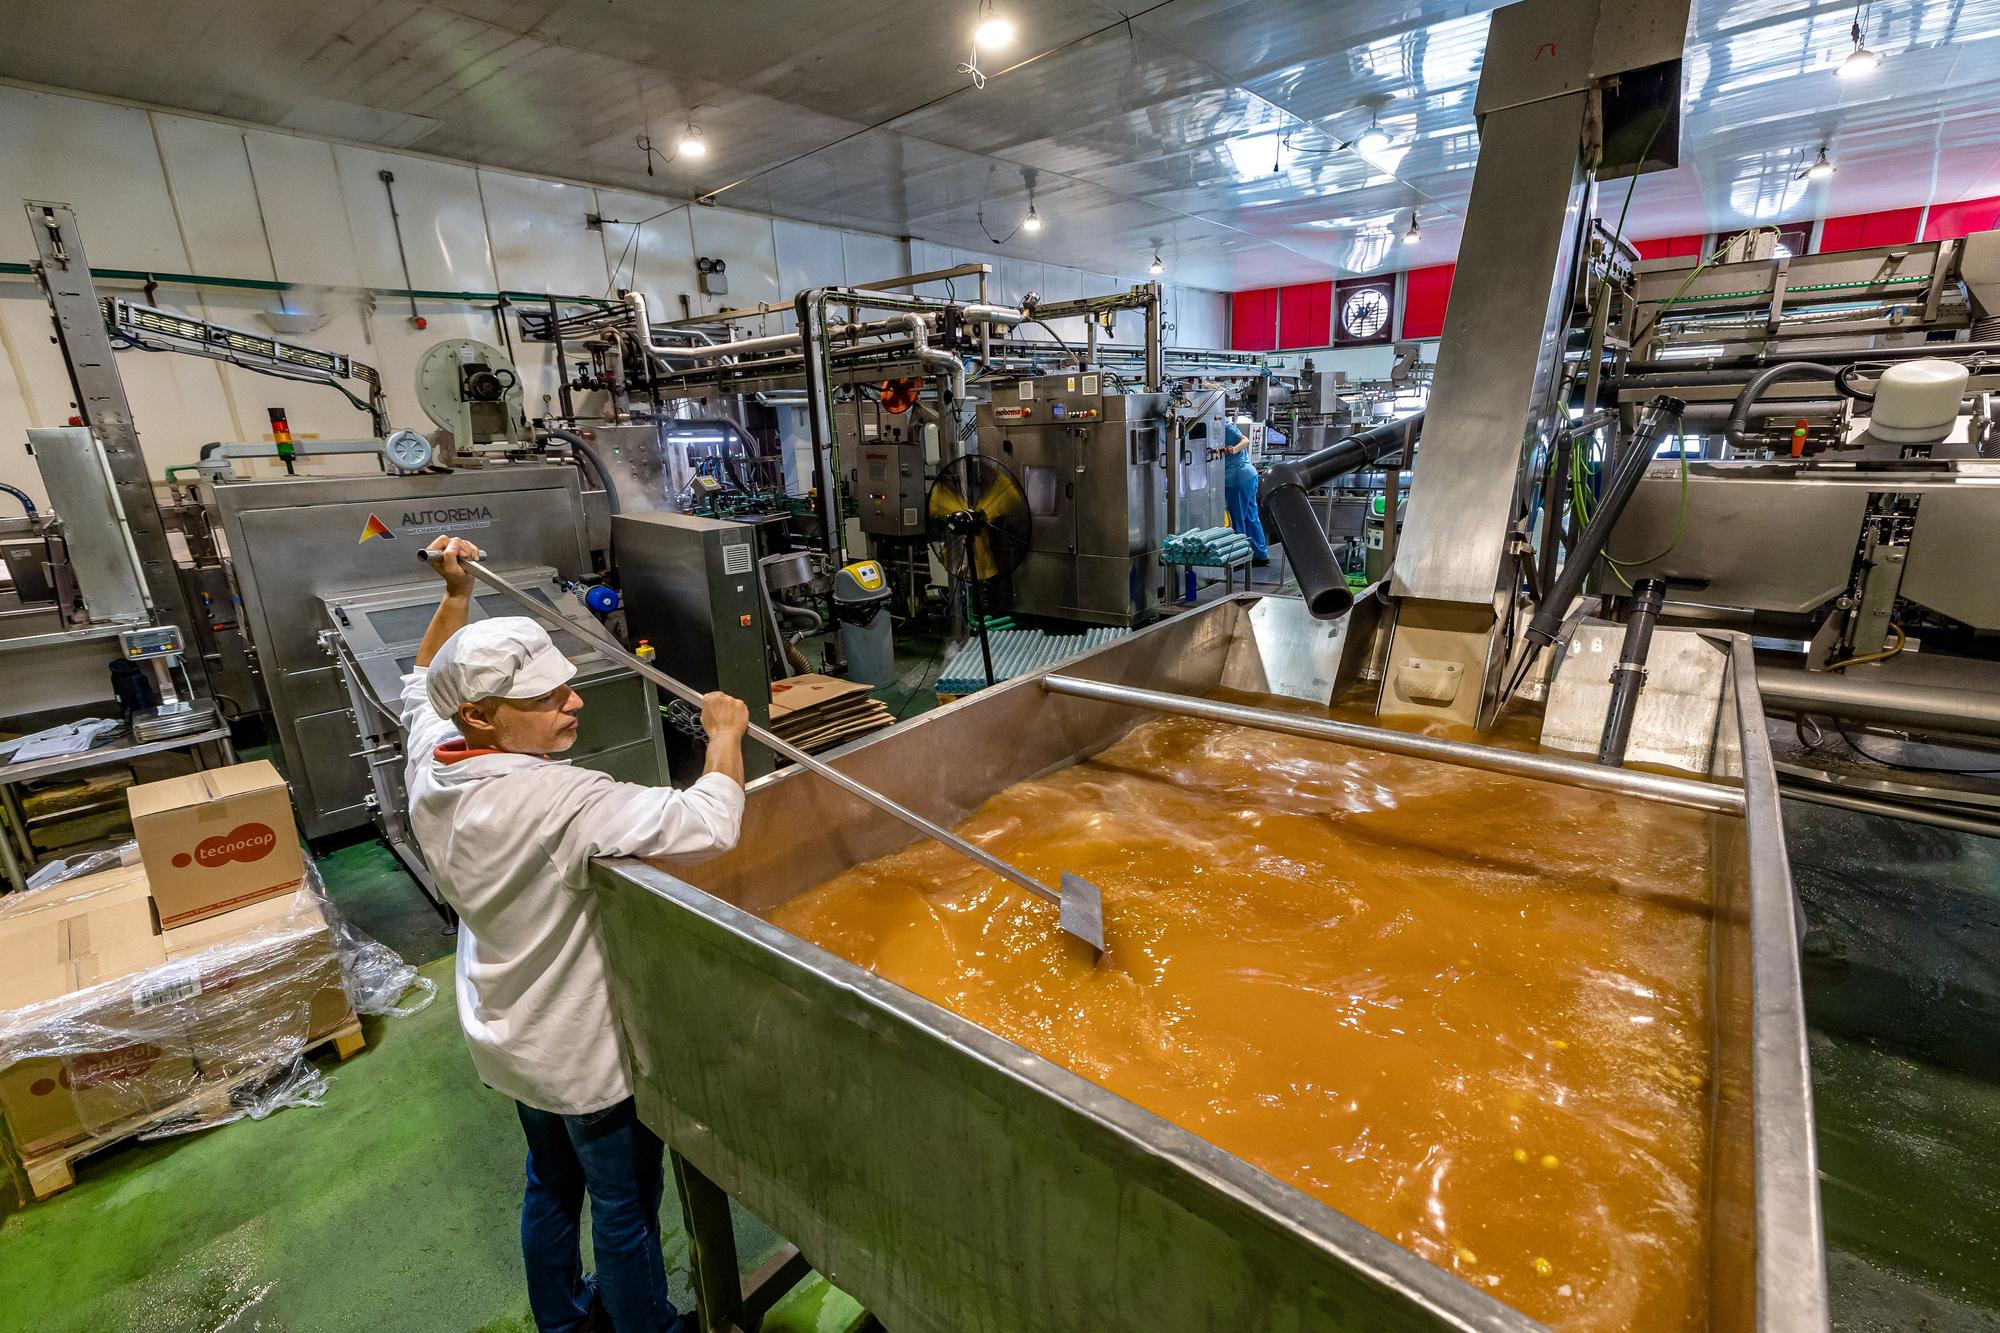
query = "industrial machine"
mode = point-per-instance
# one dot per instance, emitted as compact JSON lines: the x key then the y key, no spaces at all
{"x":473,"y":393}
{"x":372,"y":637}
{"x":286,"y":544}
{"x":691,"y":591}
{"x":894,"y":450}
{"x":1107,"y":475}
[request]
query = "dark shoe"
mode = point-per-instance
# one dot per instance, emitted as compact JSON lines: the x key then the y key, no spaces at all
{"x":1261,"y":562}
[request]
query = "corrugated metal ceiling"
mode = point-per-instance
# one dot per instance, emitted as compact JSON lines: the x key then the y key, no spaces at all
{"x":1206,"y":128}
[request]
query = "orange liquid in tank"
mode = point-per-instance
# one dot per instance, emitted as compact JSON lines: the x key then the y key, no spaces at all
{"x":1468,"y":1011}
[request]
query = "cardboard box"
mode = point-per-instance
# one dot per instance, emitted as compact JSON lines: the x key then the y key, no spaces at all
{"x":258,"y":984}
{"x":216,"y":840}
{"x":75,"y":934}
{"x":76,"y":1058}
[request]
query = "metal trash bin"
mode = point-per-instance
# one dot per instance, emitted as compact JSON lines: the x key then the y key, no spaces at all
{"x":861,"y":605}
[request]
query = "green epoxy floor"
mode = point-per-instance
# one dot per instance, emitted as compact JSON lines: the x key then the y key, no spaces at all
{"x":393,"y":1206}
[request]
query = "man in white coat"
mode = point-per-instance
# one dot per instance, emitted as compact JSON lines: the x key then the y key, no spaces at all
{"x":508,"y":832}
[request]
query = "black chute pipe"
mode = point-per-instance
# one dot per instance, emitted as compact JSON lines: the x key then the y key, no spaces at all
{"x":1737,"y":428}
{"x":1647,"y":597}
{"x":1289,"y":513}
{"x":1631,"y":466}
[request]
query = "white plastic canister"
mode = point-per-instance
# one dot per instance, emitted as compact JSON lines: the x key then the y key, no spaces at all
{"x":1916,"y":402}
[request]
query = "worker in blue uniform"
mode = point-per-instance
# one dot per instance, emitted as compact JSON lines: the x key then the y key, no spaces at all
{"x":1240,"y":491}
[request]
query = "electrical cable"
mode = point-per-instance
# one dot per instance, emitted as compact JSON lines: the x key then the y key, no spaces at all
{"x":1841,"y":727}
{"x":1053,"y":334}
{"x":27,"y":500}
{"x":1881,"y":656}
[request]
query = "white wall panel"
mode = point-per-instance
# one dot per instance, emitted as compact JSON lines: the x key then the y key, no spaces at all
{"x":926,"y":256}
{"x":214,"y":197}
{"x":99,"y":159}
{"x":125,"y":171}
{"x":870,"y":258}
{"x":747,"y":243}
{"x":808,"y":256}
{"x":660,"y":263}
{"x":444,"y":226}
{"x":540,"y":242}
{"x":304,"y":214}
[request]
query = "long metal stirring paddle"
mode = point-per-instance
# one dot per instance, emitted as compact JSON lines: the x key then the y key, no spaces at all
{"x":1080,"y":903}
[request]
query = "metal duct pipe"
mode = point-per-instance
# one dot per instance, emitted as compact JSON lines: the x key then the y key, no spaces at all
{"x":1541,"y":767}
{"x":1288,"y":511}
{"x":944,"y":361}
{"x":1923,"y":707}
{"x":642,"y":324}
{"x":1736,"y":429}
{"x":1004,"y":315}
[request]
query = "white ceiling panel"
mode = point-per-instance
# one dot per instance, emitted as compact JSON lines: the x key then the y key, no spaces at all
{"x":1213,"y":128}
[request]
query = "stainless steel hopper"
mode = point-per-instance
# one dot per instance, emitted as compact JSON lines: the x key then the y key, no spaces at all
{"x":957,"y":1183}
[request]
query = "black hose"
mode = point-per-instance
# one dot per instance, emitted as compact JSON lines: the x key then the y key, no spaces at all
{"x":581,"y":447}
{"x":1288,"y":511}
{"x":27,"y":500}
{"x":1843,"y":383}
{"x":1565,"y":586}
{"x":1737,"y":429}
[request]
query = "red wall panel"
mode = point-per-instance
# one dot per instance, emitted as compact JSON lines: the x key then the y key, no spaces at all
{"x":1949,"y":221}
{"x":1858,"y":231}
{"x":1669,"y":247}
{"x":1426,"y":292}
{"x":1253,"y":320}
{"x":1305,"y":314}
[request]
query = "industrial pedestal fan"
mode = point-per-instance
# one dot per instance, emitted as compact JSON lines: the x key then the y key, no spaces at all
{"x":977,"y":522}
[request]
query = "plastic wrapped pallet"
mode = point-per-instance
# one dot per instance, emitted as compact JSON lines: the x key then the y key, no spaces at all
{"x":114,"y":1030}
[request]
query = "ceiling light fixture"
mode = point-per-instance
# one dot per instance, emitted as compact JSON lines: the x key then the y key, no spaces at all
{"x":995,"y":29}
{"x":1157,"y":267}
{"x":1860,"y":62}
{"x":1031,"y":222}
{"x":1373,"y":139}
{"x":691,"y":142}
{"x":1821,"y":169}
{"x":1411,"y":237}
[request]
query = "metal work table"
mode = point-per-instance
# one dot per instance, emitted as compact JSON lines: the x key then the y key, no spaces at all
{"x":119,"y":751}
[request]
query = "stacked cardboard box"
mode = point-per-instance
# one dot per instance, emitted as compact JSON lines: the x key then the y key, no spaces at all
{"x":130,"y":995}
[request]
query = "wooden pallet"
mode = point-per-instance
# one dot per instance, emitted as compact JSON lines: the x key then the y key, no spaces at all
{"x":53,"y":1170}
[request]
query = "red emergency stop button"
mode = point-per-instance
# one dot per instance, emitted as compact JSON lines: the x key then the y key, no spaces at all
{"x":745,"y":622}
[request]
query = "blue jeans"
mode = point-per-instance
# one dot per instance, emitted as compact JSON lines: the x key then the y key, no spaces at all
{"x":1239,"y":492}
{"x":620,"y":1164}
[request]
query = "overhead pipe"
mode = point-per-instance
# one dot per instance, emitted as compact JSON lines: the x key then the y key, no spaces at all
{"x":1676,"y":370}
{"x":1963,"y":712}
{"x":1287,"y":509}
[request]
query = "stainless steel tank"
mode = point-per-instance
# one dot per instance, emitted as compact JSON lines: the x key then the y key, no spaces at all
{"x":957,"y":1183}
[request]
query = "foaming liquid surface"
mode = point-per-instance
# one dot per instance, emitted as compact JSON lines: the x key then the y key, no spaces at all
{"x":1466,"y":1010}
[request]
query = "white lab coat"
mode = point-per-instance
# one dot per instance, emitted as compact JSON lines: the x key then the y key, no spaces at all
{"x":509,"y":837}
